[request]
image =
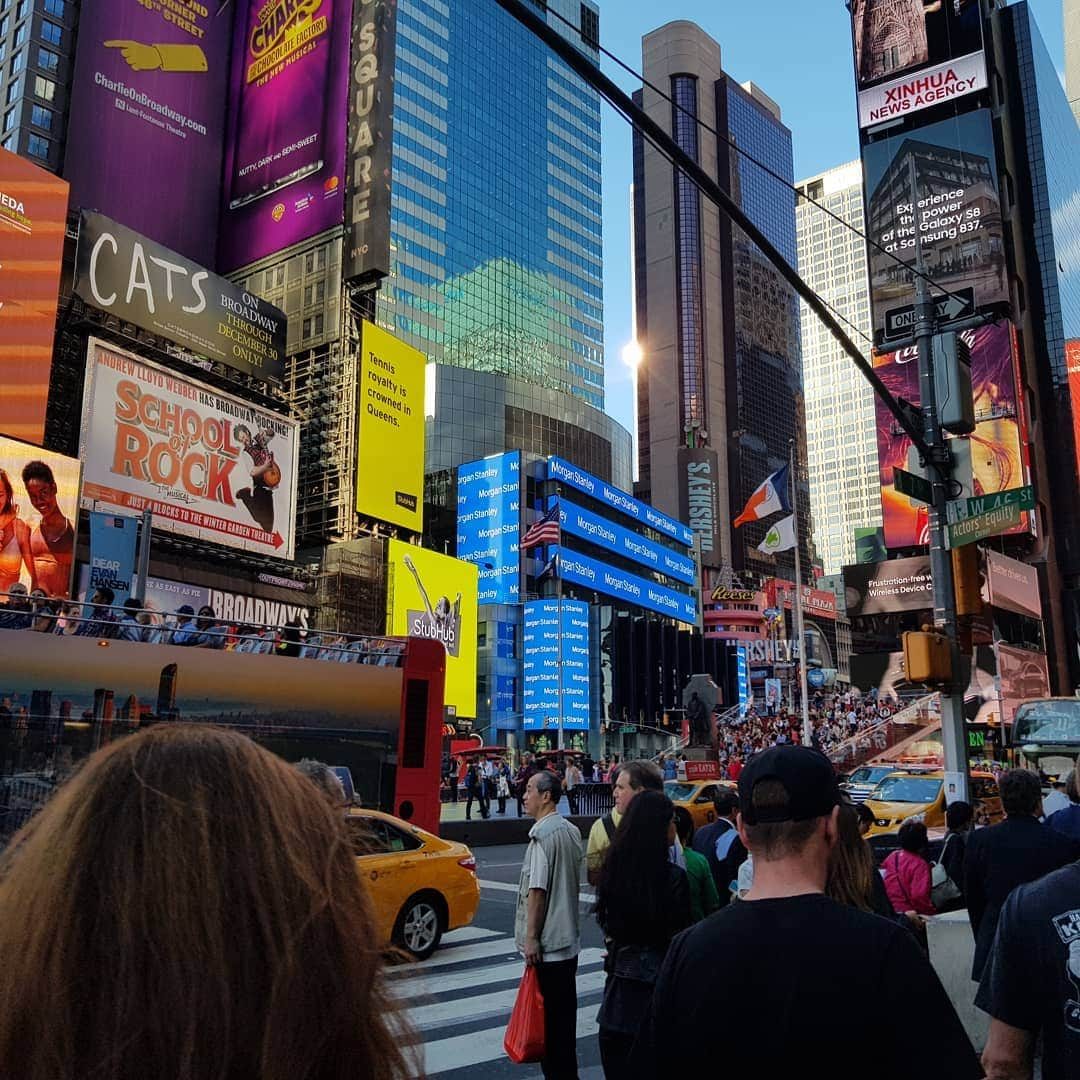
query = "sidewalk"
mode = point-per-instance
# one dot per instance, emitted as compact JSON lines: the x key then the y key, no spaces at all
{"x":456,"y":811}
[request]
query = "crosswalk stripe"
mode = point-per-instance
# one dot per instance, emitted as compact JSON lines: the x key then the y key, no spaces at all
{"x":506,"y":886}
{"x":460,"y":1051}
{"x":467,"y":933}
{"x":458,"y":954}
{"x":488,"y":975}
{"x":497,"y":1004}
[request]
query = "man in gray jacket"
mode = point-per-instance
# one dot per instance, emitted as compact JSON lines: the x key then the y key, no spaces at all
{"x":546,"y":926}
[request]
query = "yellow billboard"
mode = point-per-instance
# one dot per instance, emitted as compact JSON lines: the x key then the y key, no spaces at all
{"x":390,"y":443}
{"x":434,"y":596}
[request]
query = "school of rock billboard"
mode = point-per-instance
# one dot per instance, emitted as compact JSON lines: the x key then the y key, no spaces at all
{"x":910,"y":55}
{"x":285,"y":136}
{"x":144,"y":141}
{"x":996,"y":444}
{"x":207,"y":464}
{"x":934,"y":191}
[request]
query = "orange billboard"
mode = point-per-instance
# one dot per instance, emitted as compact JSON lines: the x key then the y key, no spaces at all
{"x":33,"y":211}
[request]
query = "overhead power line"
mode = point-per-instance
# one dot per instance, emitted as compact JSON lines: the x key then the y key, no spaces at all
{"x":582,"y":66}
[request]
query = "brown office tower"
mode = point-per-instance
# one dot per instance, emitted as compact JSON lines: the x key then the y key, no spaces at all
{"x":719,"y":388}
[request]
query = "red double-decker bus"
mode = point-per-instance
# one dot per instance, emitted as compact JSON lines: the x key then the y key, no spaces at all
{"x":372,"y":705}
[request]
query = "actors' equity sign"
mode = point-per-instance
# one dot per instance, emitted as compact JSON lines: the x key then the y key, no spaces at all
{"x":207,"y":464}
{"x":39,"y":508}
{"x":129,"y":276}
{"x":33,"y":211}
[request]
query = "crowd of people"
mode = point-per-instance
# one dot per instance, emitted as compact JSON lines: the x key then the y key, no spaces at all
{"x":102,"y":618}
{"x":245,"y":945}
{"x":836,"y":718}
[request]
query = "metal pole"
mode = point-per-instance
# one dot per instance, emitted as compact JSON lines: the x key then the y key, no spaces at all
{"x":807,"y":727}
{"x":558,"y":594}
{"x":143,"y":559}
{"x":953,"y":741}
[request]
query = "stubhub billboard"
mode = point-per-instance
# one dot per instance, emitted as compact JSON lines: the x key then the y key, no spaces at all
{"x":489,"y":524}
{"x":606,"y":534}
{"x":643,"y":513}
{"x":556,"y":662}
{"x":581,"y":570}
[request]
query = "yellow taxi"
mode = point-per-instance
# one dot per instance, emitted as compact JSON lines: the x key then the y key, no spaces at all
{"x":908,"y":793}
{"x":421,"y":885}
{"x":697,"y":798}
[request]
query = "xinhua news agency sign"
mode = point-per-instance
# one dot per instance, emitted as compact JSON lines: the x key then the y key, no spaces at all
{"x":913,"y":93}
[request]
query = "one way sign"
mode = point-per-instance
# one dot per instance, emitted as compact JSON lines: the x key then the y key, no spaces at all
{"x":900,"y":321}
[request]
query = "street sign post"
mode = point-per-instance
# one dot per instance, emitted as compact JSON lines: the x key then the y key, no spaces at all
{"x":915,"y":487}
{"x":900,"y":321}
{"x":1023,"y":498}
{"x":980,"y":526}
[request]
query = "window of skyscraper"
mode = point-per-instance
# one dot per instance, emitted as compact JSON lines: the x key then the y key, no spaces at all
{"x":55,"y":7}
{"x":41,"y":117}
{"x":37,"y":146}
{"x":51,"y":33}
{"x":48,"y":60}
{"x":44,"y":88}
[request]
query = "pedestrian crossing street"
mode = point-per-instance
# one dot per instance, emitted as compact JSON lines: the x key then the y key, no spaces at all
{"x":460,"y":999}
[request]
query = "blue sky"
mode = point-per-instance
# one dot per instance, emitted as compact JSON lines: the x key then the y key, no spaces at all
{"x":798,"y":51}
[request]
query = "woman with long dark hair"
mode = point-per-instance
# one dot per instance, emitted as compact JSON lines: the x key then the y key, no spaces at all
{"x":642,"y":902}
{"x":188,"y":908}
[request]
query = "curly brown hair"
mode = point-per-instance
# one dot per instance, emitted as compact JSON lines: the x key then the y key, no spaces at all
{"x":188,"y":907}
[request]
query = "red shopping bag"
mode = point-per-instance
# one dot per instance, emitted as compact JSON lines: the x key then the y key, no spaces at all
{"x":524,"y":1039}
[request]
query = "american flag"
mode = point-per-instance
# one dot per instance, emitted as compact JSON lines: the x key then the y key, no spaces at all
{"x":544,"y":530}
{"x":550,"y":570}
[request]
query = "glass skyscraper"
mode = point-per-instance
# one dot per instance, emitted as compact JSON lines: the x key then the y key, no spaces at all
{"x":496,"y":219}
{"x":841,"y":435}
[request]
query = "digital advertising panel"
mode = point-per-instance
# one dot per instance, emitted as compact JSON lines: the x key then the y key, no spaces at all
{"x":33,"y":212}
{"x":207,"y":464}
{"x":1022,"y":675}
{"x":556,"y":660}
{"x":934,"y":189}
{"x":893,"y":37}
{"x":145,"y":138}
{"x":489,"y":524}
{"x":895,"y":585}
{"x":1072,"y":367}
{"x":434,"y":596}
{"x":164,"y":596}
{"x":113,"y":539}
{"x":996,"y":444}
{"x":371,"y":138}
{"x":643,"y":513}
{"x":910,"y":55}
{"x":285,"y":138}
{"x":123,"y":273}
{"x":699,"y":499}
{"x":577,"y":521}
{"x":390,"y":443}
{"x":1012,"y":585}
{"x":581,"y":570}
{"x":39,"y":511}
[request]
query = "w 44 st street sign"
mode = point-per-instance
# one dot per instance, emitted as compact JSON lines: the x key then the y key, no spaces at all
{"x":1023,"y":498}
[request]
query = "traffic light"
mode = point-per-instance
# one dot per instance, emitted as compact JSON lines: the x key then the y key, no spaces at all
{"x":966,"y":583}
{"x":927,"y":657}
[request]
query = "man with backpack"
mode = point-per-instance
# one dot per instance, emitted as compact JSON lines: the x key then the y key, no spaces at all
{"x":719,"y":842}
{"x":627,"y":780}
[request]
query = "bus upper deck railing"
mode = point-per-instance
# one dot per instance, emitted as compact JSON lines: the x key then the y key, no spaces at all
{"x":148,"y":626}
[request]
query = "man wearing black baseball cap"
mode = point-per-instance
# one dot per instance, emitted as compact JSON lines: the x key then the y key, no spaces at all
{"x":823,"y":988}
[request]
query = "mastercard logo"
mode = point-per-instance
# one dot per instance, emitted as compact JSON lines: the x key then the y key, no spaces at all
{"x":331,"y":184}
{"x":278,"y":212}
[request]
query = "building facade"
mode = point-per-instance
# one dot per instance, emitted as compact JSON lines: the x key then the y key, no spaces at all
{"x":1043,"y":143}
{"x":37,"y":44}
{"x":1071,"y":19}
{"x":718,"y":328}
{"x":496,"y":261}
{"x":841,"y":436}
